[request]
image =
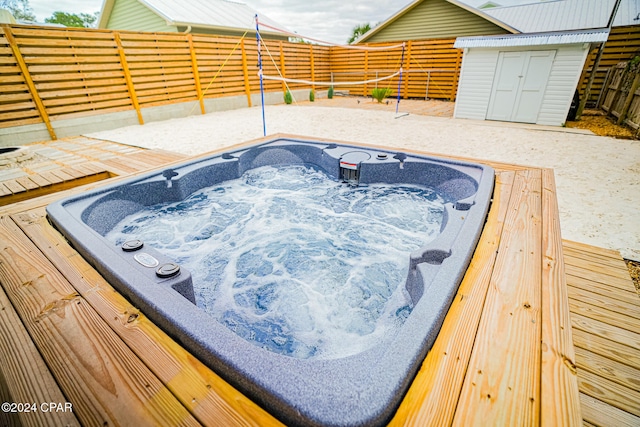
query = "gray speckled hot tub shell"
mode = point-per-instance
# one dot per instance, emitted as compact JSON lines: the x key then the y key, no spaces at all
{"x":363,"y":389}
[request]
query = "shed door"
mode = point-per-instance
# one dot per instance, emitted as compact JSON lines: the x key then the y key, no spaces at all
{"x":519,"y":85}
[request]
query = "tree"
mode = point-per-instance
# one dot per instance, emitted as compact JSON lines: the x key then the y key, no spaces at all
{"x":72,"y":20}
{"x":358,"y":31}
{"x":20,"y":9}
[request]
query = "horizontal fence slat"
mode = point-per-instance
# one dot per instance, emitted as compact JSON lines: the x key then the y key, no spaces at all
{"x":63,"y":85}
{"x":83,"y":107}
{"x":65,"y":42}
{"x":41,"y":69}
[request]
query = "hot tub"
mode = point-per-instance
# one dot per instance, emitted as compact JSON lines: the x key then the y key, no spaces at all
{"x":280,"y":355}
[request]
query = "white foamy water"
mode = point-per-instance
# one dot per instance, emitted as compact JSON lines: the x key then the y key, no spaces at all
{"x":294,"y":261}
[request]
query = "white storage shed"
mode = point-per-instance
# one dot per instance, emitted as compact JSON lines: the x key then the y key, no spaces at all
{"x":528,"y":78}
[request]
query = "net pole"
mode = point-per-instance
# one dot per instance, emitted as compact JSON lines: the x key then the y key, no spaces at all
{"x":400,"y":79}
{"x":264,"y":123}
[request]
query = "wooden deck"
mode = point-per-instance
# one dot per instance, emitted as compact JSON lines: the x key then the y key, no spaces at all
{"x":59,"y":165}
{"x":505,"y":354}
{"x":605,"y":315}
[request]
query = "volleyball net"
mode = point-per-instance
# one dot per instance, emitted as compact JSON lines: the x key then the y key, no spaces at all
{"x":397,"y":71}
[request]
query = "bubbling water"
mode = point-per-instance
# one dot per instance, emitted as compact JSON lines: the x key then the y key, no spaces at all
{"x":293,"y":261}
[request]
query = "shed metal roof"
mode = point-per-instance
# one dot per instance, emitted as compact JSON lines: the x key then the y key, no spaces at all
{"x":565,"y":15}
{"x":628,"y":13}
{"x":539,"y":39}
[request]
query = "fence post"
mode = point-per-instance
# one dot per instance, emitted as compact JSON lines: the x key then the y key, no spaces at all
{"x":127,"y":77}
{"x":313,"y":72}
{"x":406,"y":70}
{"x":27,"y":78}
{"x":454,"y":83}
{"x":282,"y":67}
{"x":245,"y":73}
{"x":366,"y":72}
{"x":618,"y":89}
{"x":628,"y":99}
{"x":426,"y":94}
{"x":196,"y":74}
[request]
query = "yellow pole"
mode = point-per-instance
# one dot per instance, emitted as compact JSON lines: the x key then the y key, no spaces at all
{"x":282,"y":68}
{"x":313,"y":72}
{"x":366,"y":72}
{"x":127,"y":77}
{"x":29,"y":81}
{"x":196,"y":75}
{"x":245,"y":72}
{"x":407,"y":65}
{"x":454,"y":83}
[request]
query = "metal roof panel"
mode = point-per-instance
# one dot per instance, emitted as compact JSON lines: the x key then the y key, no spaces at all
{"x":539,"y":39}
{"x":209,"y":13}
{"x":557,"y":15}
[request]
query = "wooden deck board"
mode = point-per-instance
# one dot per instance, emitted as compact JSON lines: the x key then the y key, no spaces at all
{"x":520,"y":286}
{"x":14,"y":186}
{"x":628,"y":297}
{"x":503,"y":377}
{"x":595,"y":266}
{"x":27,"y":183}
{"x":619,"y":320}
{"x":600,"y":277}
{"x":51,"y":177}
{"x":605,"y":311}
{"x":4,"y":190}
{"x":602,"y":259}
{"x":605,"y":390}
{"x":432,"y":399}
{"x":598,"y":413}
{"x":618,"y":372}
{"x":90,"y":363}
{"x":39,"y":180}
{"x":608,"y":302}
{"x":75,"y":162}
{"x":558,"y":406}
{"x":615,"y":343}
{"x":204,"y":393}
{"x":28,"y":378}
{"x":590,"y":249}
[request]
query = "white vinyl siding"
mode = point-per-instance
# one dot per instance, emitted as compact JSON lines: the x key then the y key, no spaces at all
{"x":476,"y":81}
{"x":134,"y":16}
{"x":478,"y":73}
{"x":562,"y":84}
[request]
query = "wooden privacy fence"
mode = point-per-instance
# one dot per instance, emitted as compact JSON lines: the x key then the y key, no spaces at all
{"x":431,"y":68}
{"x":49,"y":74}
{"x":622,"y":45}
{"x":621,"y":97}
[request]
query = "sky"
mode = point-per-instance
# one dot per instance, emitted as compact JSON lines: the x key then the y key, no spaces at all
{"x":327,"y":20}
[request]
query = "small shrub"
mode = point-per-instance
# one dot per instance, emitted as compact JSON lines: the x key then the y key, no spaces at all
{"x":288,"y":98}
{"x":312,"y":95}
{"x":379,"y":93}
{"x":330,"y":92}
